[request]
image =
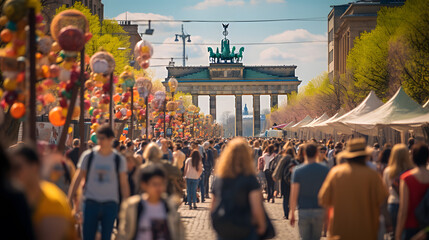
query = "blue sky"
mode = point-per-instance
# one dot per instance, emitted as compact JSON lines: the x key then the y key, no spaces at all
{"x":310,"y":58}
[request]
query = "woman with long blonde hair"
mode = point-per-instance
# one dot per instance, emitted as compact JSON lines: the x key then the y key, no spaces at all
{"x":399,"y":162}
{"x":237,"y":211}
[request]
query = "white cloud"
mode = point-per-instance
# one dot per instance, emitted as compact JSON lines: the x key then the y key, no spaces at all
{"x":294,"y":36}
{"x":215,"y":3}
{"x":275,"y":1}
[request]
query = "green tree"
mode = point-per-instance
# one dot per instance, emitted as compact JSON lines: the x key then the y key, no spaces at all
{"x":394,"y":54}
{"x":107,"y":34}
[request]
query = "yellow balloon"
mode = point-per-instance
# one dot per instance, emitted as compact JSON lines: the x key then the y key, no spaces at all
{"x":70,"y":130}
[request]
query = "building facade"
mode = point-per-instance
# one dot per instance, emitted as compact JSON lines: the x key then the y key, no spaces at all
{"x":345,"y":23}
{"x":132,"y":31}
{"x":49,"y":8}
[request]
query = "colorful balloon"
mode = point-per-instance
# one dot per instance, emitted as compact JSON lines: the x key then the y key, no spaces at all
{"x":17,"y":110}
{"x":56,"y":116}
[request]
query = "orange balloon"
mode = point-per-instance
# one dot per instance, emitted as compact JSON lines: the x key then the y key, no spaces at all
{"x":118,"y":114}
{"x":56,"y":116}
{"x":6,"y":35}
{"x":128,"y":113}
{"x":49,"y":98}
{"x":116,"y":98}
{"x":17,"y":110}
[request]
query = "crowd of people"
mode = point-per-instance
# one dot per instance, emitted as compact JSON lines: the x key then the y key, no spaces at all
{"x":133,"y":189}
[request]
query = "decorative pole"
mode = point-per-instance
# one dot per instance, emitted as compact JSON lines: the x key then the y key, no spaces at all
{"x":146,"y":100}
{"x":82,"y":103}
{"x":165,"y":106}
{"x":111,"y":101}
{"x":33,"y":78}
{"x":131,"y":128}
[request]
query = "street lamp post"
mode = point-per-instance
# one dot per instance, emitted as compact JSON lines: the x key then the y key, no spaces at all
{"x":147,"y":87}
{"x":183,"y":36}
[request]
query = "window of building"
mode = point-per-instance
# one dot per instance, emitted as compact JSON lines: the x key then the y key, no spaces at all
{"x":331,"y":56}
{"x":331,"y":36}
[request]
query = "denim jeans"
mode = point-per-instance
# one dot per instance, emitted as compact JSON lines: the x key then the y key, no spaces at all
{"x":94,"y":213}
{"x":393,"y":209}
{"x":310,"y":223}
{"x":206,"y":181}
{"x":191,"y":190}
{"x":270,"y":184}
{"x":286,"y":193}
{"x":201,"y":185}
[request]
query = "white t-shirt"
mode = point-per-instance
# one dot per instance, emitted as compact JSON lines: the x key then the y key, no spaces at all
{"x":102,"y":182}
{"x":154,"y":217}
{"x":393,"y":195}
{"x":268,"y":158}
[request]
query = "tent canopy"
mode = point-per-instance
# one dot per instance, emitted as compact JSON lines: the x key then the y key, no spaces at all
{"x":288,"y":125}
{"x":320,"y":119}
{"x":303,"y":122}
{"x":399,"y":107}
{"x":370,"y":103}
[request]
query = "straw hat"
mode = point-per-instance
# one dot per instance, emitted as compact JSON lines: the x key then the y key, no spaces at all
{"x":355,"y":148}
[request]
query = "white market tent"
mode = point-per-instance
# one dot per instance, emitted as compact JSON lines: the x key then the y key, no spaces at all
{"x":288,"y":125}
{"x":320,"y":119}
{"x":399,"y":107}
{"x":411,"y":123}
{"x":370,"y":103}
{"x":303,"y":122}
{"x":323,"y":126}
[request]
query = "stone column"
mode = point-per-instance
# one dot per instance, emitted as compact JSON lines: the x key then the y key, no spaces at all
{"x":238,"y":115}
{"x":213,"y":106}
{"x":274,"y":100}
{"x":195,"y":100}
{"x":256,"y":115}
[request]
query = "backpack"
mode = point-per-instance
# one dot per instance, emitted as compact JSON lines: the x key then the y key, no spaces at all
{"x":422,"y":211}
{"x":287,"y":171}
{"x":117,"y":162}
{"x":273,"y":164}
{"x":228,"y":222}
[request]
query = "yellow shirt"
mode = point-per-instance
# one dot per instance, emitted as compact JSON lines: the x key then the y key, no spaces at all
{"x":53,"y":203}
{"x":354,"y":193}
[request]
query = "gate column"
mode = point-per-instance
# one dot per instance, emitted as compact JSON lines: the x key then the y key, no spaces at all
{"x":238,"y":115}
{"x":213,"y":106}
{"x":274,"y":100}
{"x":195,"y":100}
{"x":256,"y":115}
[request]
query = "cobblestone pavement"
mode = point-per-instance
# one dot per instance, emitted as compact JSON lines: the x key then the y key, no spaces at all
{"x":198,"y":225}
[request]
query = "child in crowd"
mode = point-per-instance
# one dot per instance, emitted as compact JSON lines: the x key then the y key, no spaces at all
{"x":149,"y":215}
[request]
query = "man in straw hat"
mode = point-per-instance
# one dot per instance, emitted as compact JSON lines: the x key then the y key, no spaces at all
{"x":353,"y":195}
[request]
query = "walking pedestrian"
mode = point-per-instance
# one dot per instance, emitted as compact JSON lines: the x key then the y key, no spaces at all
{"x":153,"y":155}
{"x":268,"y":156}
{"x":193,"y":171}
{"x":51,"y":213}
{"x":399,"y":162}
{"x":208,"y":167}
{"x":237,"y":211}
{"x":73,"y":154}
{"x":283,"y":172}
{"x":106,"y":182}
{"x":149,"y":215}
{"x":307,"y":179}
{"x":414,"y":185}
{"x":353,"y":194}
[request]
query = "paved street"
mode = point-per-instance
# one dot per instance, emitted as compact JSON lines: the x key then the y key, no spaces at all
{"x":198,"y":225}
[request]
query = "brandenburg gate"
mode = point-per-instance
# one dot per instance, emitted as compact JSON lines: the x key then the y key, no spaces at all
{"x":227,"y":76}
